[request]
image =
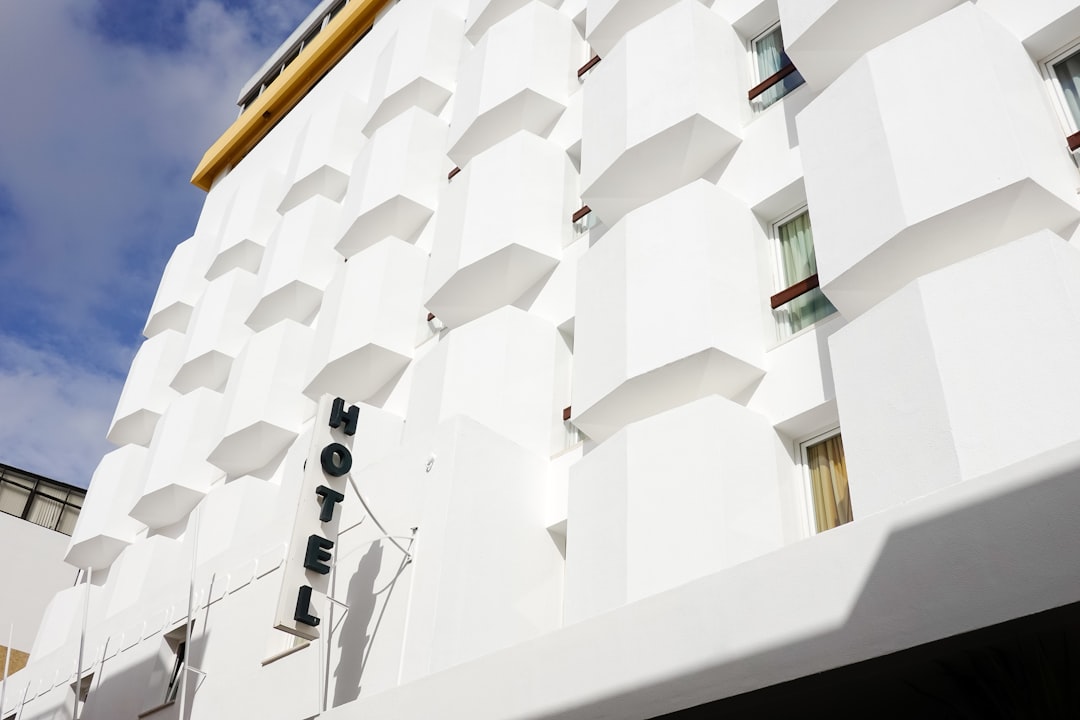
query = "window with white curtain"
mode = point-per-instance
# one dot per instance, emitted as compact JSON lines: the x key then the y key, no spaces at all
{"x":1063,"y":73}
{"x":828,"y":499}
{"x":799,"y":302}
{"x":772,"y":66}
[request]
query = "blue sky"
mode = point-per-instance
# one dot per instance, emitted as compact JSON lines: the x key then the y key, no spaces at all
{"x":107,"y":107}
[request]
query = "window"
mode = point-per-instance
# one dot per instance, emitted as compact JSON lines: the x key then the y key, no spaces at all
{"x":829,"y":503}
{"x":799,"y":302}
{"x":41,"y":501}
{"x":81,"y":690}
{"x":1064,"y":72}
{"x":172,"y":690}
{"x":775,"y":74}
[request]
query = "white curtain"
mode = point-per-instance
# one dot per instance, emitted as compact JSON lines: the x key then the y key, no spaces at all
{"x":798,"y":262}
{"x":770,"y":55}
{"x":1068,"y":75}
{"x":45,"y":511}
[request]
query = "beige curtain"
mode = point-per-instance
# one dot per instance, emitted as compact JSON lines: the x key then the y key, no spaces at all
{"x":828,"y":475}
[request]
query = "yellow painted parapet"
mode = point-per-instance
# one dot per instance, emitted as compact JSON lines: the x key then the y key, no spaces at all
{"x":325,"y":50}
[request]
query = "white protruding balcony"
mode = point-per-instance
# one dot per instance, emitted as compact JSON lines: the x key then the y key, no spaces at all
{"x":217,"y":332}
{"x":368,"y":324}
{"x":483,"y":14}
{"x":146,"y":392}
{"x":252,"y":218}
{"x":668,"y":310}
{"x":177,"y":473}
{"x":499,"y":233}
{"x":394,"y":182}
{"x":182,"y":284}
{"x":518,"y":77}
{"x":819,"y":36}
{"x":325,"y":153}
{"x":418,"y":67}
{"x":299,"y":263}
{"x":668,"y":500}
{"x":104,"y":528}
{"x":607,"y":21}
{"x":965,"y":372}
{"x":664,"y":106}
{"x":932,"y":148}
{"x":264,"y":406}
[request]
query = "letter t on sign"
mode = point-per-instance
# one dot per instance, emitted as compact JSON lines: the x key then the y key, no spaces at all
{"x":330,"y":497}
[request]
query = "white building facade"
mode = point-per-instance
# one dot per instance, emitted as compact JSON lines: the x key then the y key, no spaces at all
{"x":684,"y":349}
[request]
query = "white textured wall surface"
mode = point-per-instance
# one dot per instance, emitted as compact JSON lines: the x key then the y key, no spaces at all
{"x":654,"y":551}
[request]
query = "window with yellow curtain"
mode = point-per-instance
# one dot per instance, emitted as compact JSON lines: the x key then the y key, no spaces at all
{"x":828,"y":482}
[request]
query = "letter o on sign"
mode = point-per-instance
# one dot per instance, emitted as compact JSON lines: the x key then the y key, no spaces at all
{"x":336,"y":460}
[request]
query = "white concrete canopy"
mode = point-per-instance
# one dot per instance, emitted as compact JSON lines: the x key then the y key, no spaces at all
{"x":395,"y":182}
{"x":818,"y":34}
{"x":518,"y":77}
{"x":668,"y":310}
{"x":498,"y":234}
{"x":146,"y":392}
{"x":665,"y":105}
{"x":965,"y":371}
{"x":299,"y":263}
{"x":264,"y":408}
{"x":177,"y":474}
{"x":217,"y":333}
{"x":418,"y":67}
{"x":933,"y":147}
{"x":368,"y":323}
{"x":104,"y":528}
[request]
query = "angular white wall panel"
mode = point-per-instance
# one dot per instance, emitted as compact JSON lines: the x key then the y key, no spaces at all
{"x":181,"y":286}
{"x":368,"y":322}
{"x":505,"y":370}
{"x":264,"y":407}
{"x":394,"y":182}
{"x":252,"y":218}
{"x":936,"y":146}
{"x":497,"y":235}
{"x":667,"y":500}
{"x":482,"y":14}
{"x":607,"y":21}
{"x":177,"y":473}
{"x":146,"y":392}
{"x":299,"y":263}
{"x":661,"y":109}
{"x":104,"y":528}
{"x":519,"y":77}
{"x":325,"y":153}
{"x":668,"y":310}
{"x":819,"y":36}
{"x":217,"y":332}
{"x":1044,"y":26}
{"x":418,"y":68}
{"x":965,"y":371}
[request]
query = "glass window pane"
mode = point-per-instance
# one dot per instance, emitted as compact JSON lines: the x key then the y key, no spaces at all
{"x":1068,"y":76}
{"x":802,"y":312}
{"x":770,"y":58}
{"x":44,"y":511}
{"x":828,"y":480}
{"x":797,"y":258}
{"x":13,"y":498}
{"x":68,"y":518}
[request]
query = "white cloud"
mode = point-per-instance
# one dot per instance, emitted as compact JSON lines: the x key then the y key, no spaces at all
{"x":98,"y":143}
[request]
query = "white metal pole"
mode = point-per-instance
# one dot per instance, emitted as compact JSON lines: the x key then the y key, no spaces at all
{"x":190,"y":613}
{"x":82,"y":642}
{"x":7,"y":666}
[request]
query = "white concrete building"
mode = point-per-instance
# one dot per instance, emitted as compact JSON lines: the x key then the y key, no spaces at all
{"x":695,"y":357}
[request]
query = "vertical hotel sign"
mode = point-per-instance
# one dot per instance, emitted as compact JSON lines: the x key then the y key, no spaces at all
{"x":306,"y":580}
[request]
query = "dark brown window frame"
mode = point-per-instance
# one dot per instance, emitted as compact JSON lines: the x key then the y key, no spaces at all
{"x":1073,"y":140}
{"x":585,"y":210}
{"x":797,"y":290}
{"x":588,"y":66}
{"x":773,"y":79}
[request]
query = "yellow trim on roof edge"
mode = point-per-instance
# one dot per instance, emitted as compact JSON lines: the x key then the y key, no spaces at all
{"x":260,"y":117}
